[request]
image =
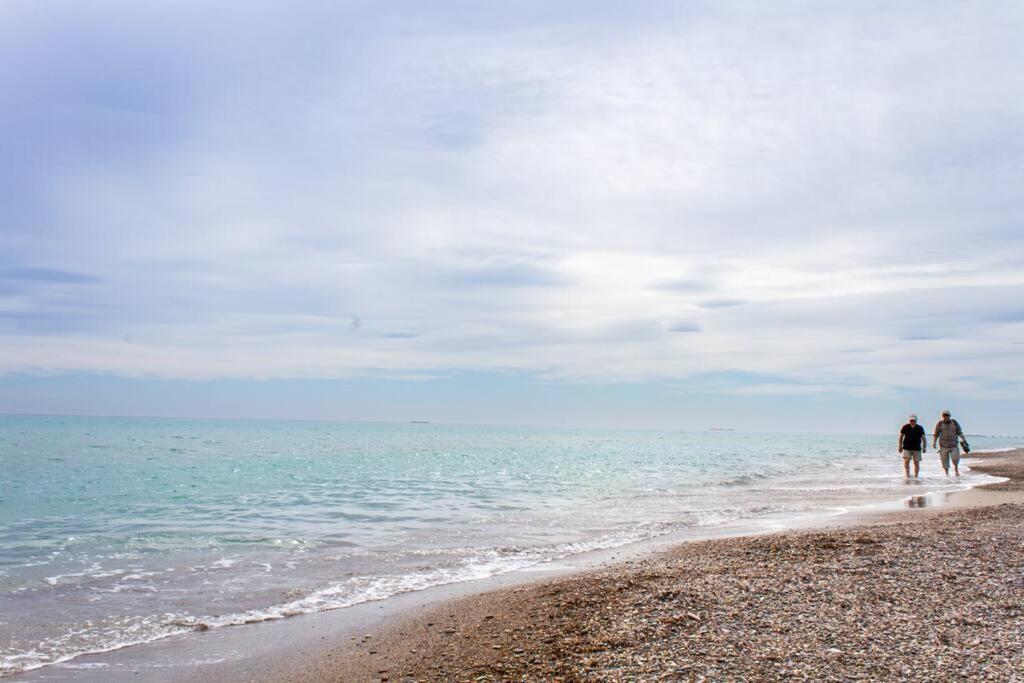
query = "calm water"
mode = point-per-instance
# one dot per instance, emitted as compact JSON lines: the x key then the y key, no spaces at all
{"x":117,"y":531}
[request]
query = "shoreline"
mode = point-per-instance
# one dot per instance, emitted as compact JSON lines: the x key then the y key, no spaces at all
{"x":331,"y":645}
{"x":917,"y":593}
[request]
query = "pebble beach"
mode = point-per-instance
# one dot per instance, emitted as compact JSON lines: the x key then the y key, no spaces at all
{"x":932,"y":593}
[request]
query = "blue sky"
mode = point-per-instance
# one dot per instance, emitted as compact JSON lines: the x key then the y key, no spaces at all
{"x":760,"y":215}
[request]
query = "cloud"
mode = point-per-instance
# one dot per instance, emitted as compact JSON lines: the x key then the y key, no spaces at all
{"x":506,"y":275}
{"x":682,"y":285}
{"x":1011,"y":314}
{"x":43,"y":322}
{"x":924,"y":337}
{"x":724,"y":302}
{"x":527,"y":189}
{"x":45,"y":275}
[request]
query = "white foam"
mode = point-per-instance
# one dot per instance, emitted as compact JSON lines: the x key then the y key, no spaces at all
{"x":484,"y":564}
{"x":94,"y":570}
{"x":480,"y":564}
{"x":222,"y":563}
{"x":60,"y":649}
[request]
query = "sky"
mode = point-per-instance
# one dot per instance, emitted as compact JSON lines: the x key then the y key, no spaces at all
{"x":770,"y":216}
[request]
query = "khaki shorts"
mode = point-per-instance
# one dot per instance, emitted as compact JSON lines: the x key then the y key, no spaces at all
{"x":909,"y":455}
{"x":947,"y":454}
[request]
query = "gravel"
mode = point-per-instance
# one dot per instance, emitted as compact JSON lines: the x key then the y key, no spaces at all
{"x":929,"y":597}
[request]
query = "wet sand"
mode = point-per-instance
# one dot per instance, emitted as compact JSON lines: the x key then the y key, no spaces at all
{"x":931,"y":593}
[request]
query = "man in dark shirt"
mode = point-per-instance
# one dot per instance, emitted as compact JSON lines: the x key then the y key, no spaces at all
{"x":911,"y":444}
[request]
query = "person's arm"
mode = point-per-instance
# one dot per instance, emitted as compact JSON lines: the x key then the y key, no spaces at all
{"x":959,"y":431}
{"x":935,"y":436}
{"x":924,"y":441}
{"x":899,"y":444}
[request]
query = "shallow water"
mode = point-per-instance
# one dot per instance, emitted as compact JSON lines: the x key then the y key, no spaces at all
{"x":116,"y":531}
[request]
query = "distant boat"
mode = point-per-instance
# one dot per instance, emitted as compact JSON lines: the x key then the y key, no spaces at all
{"x":722,"y":429}
{"x":419,"y":422}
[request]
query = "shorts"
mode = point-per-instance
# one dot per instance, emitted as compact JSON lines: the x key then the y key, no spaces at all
{"x":909,"y":455}
{"x":947,"y":454}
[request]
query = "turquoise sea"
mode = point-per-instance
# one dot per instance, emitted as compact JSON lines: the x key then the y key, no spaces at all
{"x":118,"y":531}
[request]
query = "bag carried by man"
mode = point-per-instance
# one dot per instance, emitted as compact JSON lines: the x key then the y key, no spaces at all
{"x":964,"y":446}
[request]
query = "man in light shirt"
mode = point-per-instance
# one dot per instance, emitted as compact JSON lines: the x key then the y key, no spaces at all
{"x":947,"y":435}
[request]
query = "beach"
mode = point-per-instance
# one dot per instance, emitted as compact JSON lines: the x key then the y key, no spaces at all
{"x":511,"y":341}
{"x":513,"y":560}
{"x":926,"y":593}
{"x":173,"y":546}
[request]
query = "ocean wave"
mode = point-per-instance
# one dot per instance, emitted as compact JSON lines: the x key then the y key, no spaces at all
{"x":482,"y":563}
{"x":87,"y":641}
{"x":745,"y":479}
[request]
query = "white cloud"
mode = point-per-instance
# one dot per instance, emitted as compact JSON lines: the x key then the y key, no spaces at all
{"x":787,"y":185}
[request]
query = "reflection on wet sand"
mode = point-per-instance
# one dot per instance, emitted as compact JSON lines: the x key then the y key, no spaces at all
{"x":933,"y":499}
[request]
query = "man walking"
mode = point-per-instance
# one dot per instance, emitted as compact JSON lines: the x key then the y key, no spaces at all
{"x":911,"y":444}
{"x":947,"y":435}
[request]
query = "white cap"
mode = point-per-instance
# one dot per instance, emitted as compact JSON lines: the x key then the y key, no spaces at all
{"x":912,"y":417}
{"x":946,"y":412}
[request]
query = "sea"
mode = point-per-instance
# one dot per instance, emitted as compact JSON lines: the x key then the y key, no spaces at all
{"x":121,"y":531}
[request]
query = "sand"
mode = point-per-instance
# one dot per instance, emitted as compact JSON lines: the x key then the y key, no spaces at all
{"x":925,"y":594}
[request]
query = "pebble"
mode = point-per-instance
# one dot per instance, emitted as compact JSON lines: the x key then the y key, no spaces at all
{"x":921,"y":598}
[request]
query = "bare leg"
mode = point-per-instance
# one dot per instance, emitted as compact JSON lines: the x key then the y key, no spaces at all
{"x":917,"y":468}
{"x":906,"y":468}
